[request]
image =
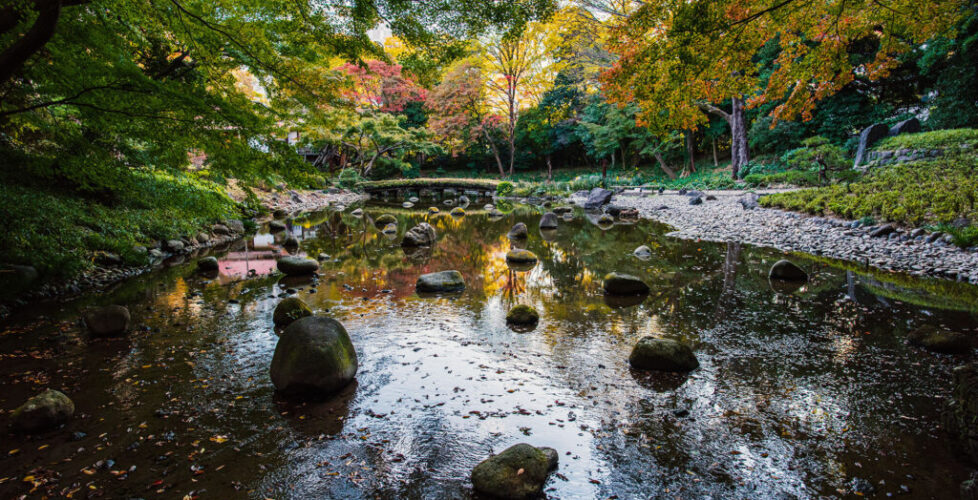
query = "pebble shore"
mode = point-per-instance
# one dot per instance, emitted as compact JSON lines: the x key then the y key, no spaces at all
{"x":724,"y":219}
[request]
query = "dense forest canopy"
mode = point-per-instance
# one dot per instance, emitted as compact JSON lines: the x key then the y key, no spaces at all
{"x":90,"y":90}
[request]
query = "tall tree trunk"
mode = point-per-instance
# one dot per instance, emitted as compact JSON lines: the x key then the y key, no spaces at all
{"x":12,"y":58}
{"x":716,"y":162}
{"x":604,"y":169}
{"x":665,"y":168}
{"x":740,"y":153}
{"x":550,"y":169}
{"x":495,"y":153}
{"x":691,"y":150}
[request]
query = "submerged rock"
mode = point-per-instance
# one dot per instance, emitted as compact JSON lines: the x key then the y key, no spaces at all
{"x":788,"y":271}
{"x":518,"y":472}
{"x":520,"y":256}
{"x":47,"y":410}
{"x":108,"y":321}
{"x":518,"y":231}
{"x":297,"y":266}
{"x":208,"y":264}
{"x":548,"y":221}
{"x":522,"y":315}
{"x":643,"y":252}
{"x":384,"y":220}
{"x":943,"y":341}
{"x":444,"y":281}
{"x":651,"y":353}
{"x":313,"y":356}
{"x":422,"y":235}
{"x":289,"y":310}
{"x":624,"y":284}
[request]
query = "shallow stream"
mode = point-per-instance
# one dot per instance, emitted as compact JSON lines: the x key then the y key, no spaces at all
{"x":806,"y":393}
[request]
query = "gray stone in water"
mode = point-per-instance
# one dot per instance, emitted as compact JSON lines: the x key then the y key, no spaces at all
{"x":297,"y":266}
{"x":651,"y":353}
{"x":390,"y":229}
{"x":313,"y":356}
{"x":869,"y":136}
{"x":522,"y":315}
{"x":548,"y":221}
{"x":643,"y":252}
{"x":384,"y":220}
{"x":908,"y":126}
{"x":518,"y":231}
{"x":407,"y":204}
{"x":787,"y":271}
{"x":47,"y":410}
{"x":413,"y":199}
{"x":208,"y":264}
{"x":943,"y":341}
{"x":289,"y":310}
{"x":518,"y":472}
{"x":624,"y":284}
{"x":422,"y":235}
{"x":108,"y":321}
{"x":597,"y":198}
{"x":357,"y":213}
{"x":696,"y":200}
{"x":520,"y":256}
{"x":440,"y":282}
{"x":276,"y":226}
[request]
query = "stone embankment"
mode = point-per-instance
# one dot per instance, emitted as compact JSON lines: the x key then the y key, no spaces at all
{"x":721,"y":216}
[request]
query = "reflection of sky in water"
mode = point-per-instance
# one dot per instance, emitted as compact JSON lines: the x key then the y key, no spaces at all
{"x":792,"y":392}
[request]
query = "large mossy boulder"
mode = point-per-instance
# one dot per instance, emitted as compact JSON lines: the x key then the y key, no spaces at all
{"x":521,"y":256}
{"x":440,"y":282}
{"x":518,"y":472}
{"x":938,"y":340}
{"x":47,"y":410}
{"x":108,"y":321}
{"x":518,"y":231}
{"x":624,"y":284}
{"x":522,"y":315}
{"x":962,"y":411}
{"x":422,"y":235}
{"x":787,"y":271}
{"x":297,"y":266}
{"x":314,"y":356}
{"x":289,"y":310}
{"x":548,"y":221}
{"x":651,"y":353}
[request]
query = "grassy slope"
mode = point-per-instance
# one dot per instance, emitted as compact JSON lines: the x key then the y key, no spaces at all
{"x":914,"y":194}
{"x":60,"y":233}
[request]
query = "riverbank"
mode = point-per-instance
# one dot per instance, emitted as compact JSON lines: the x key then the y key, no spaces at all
{"x":725,"y":219}
{"x":26,"y":284}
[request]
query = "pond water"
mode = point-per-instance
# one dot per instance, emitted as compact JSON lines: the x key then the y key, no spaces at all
{"x":806,"y":393}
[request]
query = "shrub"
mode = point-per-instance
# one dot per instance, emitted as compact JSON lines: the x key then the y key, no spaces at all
{"x":504,"y":188}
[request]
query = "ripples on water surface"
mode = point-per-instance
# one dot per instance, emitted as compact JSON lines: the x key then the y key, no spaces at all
{"x":798,"y":395}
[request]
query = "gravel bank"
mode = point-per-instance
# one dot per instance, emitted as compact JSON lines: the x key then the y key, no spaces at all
{"x":724,"y":219}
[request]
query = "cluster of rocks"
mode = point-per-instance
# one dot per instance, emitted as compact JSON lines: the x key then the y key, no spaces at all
{"x":877,"y":132}
{"x":735,"y":216}
{"x":110,"y":268}
{"x":294,"y":202}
